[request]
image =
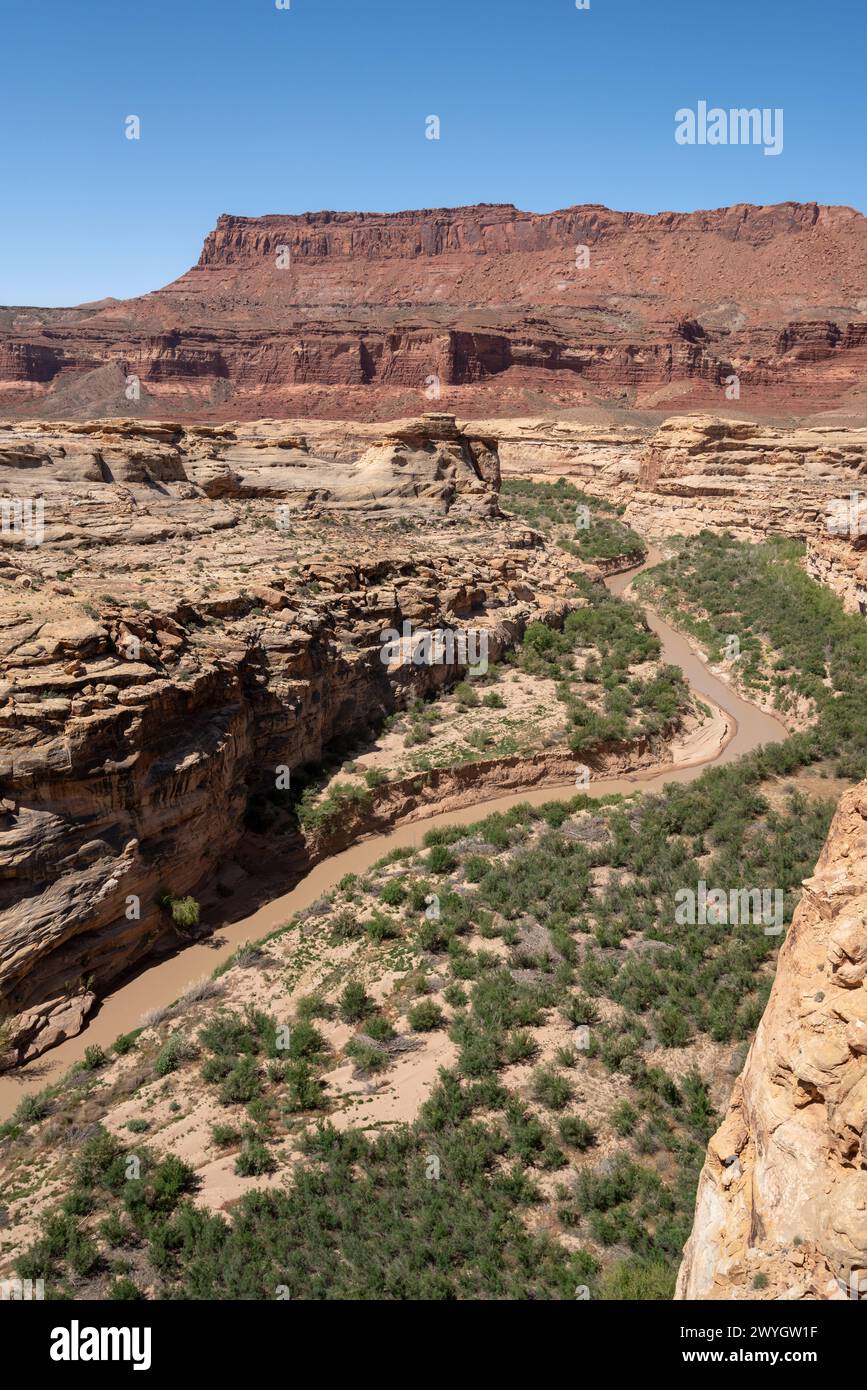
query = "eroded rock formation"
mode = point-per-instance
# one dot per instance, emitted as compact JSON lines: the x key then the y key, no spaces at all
{"x":752,"y":480}
{"x":782,"y":1201}
{"x":204,"y":607}
{"x":367,"y":315}
{"x":701,"y":471}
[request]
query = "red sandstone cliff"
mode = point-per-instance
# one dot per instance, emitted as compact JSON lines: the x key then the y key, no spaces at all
{"x":369,"y":315}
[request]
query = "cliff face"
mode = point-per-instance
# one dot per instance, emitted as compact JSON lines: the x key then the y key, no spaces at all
{"x":752,"y":480}
{"x":726,"y":475}
{"x":368,"y":315}
{"x":182,"y":614}
{"x":783,"y":1193}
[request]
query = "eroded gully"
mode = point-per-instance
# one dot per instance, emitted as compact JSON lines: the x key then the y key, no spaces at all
{"x":162,"y":983}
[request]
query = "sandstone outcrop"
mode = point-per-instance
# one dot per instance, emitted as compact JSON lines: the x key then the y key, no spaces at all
{"x":702,"y":471}
{"x":368,"y":315}
{"x":752,"y":480}
{"x":203,"y":608}
{"x":781,"y":1210}
{"x":423,"y":464}
{"x":603,"y":459}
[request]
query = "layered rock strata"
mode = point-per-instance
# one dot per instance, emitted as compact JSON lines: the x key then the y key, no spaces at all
{"x":751,"y":480}
{"x":200,"y":611}
{"x":701,"y":471}
{"x":367,"y":315}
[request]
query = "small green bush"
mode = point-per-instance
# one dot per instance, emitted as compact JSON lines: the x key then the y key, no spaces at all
{"x":254,"y":1160}
{"x":551,"y":1089}
{"x":466,"y":695}
{"x":355,"y":1003}
{"x":184,"y":911}
{"x":242,"y":1084}
{"x":393,"y":893}
{"x":425,"y":1016}
{"x":440,"y":860}
{"x":124,"y":1290}
{"x":176,"y":1050}
{"x":577,"y":1133}
{"x":225,"y":1136}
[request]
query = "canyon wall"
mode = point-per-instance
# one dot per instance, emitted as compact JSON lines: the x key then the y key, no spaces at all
{"x":782,"y":1201}
{"x":754,"y":481}
{"x":487,"y":309}
{"x":182,"y":614}
{"x":698,"y":471}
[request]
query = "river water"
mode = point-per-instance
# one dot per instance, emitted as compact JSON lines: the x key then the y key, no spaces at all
{"x":160,"y":984}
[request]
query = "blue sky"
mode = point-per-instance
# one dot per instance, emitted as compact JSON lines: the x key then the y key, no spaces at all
{"x":249,"y":109}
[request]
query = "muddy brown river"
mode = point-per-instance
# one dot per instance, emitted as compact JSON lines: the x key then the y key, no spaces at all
{"x":162,"y":983}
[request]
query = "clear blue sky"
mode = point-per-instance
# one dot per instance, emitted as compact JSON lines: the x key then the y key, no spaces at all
{"x":249,"y":109}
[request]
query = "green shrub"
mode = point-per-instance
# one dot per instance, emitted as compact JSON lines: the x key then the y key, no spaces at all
{"x":466,"y":695}
{"x":425,"y":1016}
{"x":580,"y":1010}
{"x":480,"y":1053}
{"x":82,"y":1255}
{"x":77,"y":1203}
{"x":379,"y":1028}
{"x":184,"y":911}
{"x":314,"y":1006}
{"x":242,"y":1084}
{"x":367,"y":1059}
{"x":576,"y":1132}
{"x":672,"y":1027}
{"x":176,"y":1050}
{"x":393,"y":893}
{"x":225,"y":1136}
{"x":101,"y":1162}
{"x":624,"y":1119}
{"x":254,"y":1160}
{"x":116,"y":1232}
{"x":304,"y":1089}
{"x":639,"y":1281}
{"x":521,"y":1047}
{"x":440,"y":860}
{"x":355,"y":1003}
{"x":551,"y":1089}
{"x":305,"y":1040}
{"x":381,"y":928}
{"x":30,"y":1109}
{"x":124,"y":1290}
